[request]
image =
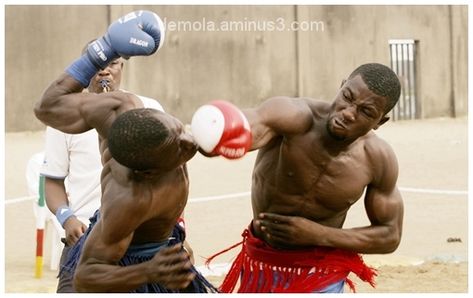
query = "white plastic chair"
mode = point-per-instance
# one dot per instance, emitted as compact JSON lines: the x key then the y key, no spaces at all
{"x":44,"y":217}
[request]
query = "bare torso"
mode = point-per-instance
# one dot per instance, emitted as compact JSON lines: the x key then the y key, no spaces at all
{"x":302,"y":176}
{"x":136,"y":206}
{"x":157,"y":201}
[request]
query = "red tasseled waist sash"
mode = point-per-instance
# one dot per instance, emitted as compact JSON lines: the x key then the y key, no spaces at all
{"x":299,"y":271}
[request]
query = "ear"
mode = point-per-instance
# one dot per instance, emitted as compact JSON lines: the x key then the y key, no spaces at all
{"x":343,"y":82}
{"x":383,"y":120}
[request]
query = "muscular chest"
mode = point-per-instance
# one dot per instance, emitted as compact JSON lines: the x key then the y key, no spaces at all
{"x":168,"y":196}
{"x":332,"y":179}
{"x":166,"y":202}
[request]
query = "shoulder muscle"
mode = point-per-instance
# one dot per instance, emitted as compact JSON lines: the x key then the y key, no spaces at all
{"x":278,"y":116}
{"x":384,"y":163}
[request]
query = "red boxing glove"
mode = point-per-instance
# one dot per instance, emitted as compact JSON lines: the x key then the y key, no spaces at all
{"x":221,"y":128}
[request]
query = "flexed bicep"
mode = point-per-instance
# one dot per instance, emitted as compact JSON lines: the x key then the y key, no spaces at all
{"x":60,"y":106}
{"x":383,"y":201}
{"x":65,"y":107}
{"x":384,"y":208}
{"x":385,"y":211}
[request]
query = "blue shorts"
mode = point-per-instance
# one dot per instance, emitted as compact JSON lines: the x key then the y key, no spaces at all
{"x":138,"y":254}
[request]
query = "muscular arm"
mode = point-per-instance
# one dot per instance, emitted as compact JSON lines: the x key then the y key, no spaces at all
{"x":385,"y":211}
{"x":98,"y":269}
{"x":384,"y":207}
{"x":281,"y":116}
{"x":65,"y":107}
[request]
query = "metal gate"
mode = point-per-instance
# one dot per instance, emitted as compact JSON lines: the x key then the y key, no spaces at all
{"x":403,"y":63}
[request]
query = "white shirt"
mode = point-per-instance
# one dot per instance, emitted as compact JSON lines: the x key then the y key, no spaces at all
{"x":76,"y":158}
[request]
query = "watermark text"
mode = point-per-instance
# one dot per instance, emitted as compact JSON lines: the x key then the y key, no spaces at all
{"x":244,"y":25}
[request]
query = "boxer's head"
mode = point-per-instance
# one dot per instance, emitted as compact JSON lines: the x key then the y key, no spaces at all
{"x":381,"y":80}
{"x":363,"y":101}
{"x":144,"y":139}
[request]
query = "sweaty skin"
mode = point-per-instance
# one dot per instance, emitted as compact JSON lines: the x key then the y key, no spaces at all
{"x":136,"y":206}
{"x":315,"y":160}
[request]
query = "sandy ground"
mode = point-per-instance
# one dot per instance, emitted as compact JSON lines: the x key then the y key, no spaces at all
{"x":432,"y":155}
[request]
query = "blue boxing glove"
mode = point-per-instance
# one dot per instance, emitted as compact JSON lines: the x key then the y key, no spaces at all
{"x":139,"y":33}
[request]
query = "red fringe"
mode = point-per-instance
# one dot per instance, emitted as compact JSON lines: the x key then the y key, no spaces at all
{"x":297,"y":271}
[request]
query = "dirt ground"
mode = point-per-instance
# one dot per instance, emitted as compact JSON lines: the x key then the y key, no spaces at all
{"x":432,"y":256}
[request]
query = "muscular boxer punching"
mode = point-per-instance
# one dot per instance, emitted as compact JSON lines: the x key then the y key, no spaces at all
{"x":315,"y":160}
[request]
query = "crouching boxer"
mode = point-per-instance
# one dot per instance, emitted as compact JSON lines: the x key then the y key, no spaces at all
{"x":134,"y":243}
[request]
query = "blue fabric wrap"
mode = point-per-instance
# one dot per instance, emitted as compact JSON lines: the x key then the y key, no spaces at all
{"x":141,"y":253}
{"x":83,"y":70}
{"x":62,"y":214}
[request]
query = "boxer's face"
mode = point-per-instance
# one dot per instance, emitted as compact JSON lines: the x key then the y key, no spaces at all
{"x":112,"y":74}
{"x":355,"y":111}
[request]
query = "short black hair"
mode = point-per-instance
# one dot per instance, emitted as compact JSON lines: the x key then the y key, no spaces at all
{"x":134,"y":137}
{"x":381,"y":80}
